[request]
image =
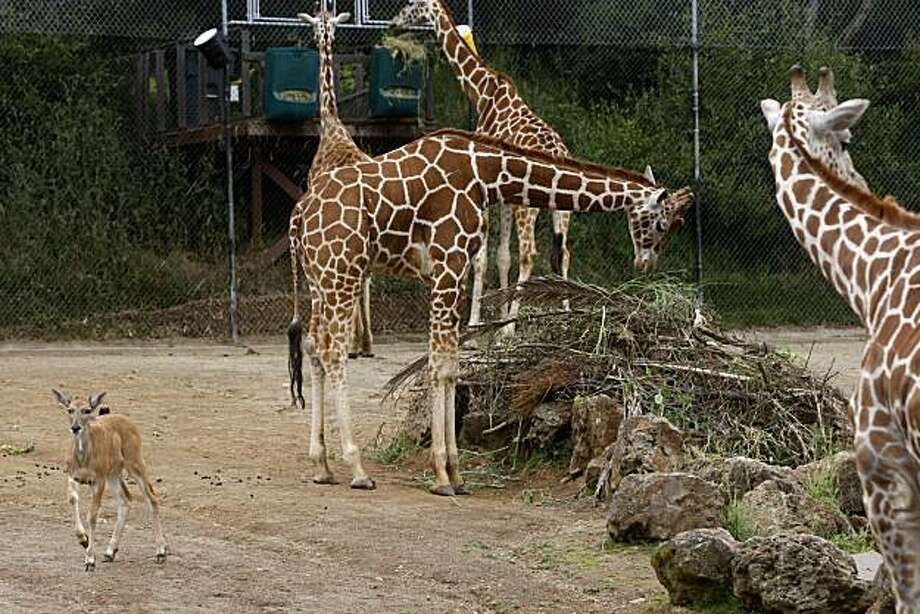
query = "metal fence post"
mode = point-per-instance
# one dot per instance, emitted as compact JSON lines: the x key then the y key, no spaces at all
{"x":231,"y":214}
{"x":697,"y":179}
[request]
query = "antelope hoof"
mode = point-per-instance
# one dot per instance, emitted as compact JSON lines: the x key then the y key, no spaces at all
{"x":161,"y":555}
{"x":325,"y":478}
{"x":461,"y":490}
{"x":364,"y":483}
{"x":353,"y":355}
{"x":367,"y":354}
{"x":109,"y":555}
{"x":445,"y":490}
{"x":89,"y":566}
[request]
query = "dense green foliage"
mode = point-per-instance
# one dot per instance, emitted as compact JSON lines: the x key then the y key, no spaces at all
{"x":93,"y":218}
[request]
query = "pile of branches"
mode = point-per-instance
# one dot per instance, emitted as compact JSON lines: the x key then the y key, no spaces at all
{"x":647,"y":345}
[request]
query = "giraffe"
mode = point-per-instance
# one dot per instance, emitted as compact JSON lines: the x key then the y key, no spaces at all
{"x":503,"y":114}
{"x":419,"y":211}
{"x":336,"y":148}
{"x":867,"y":248}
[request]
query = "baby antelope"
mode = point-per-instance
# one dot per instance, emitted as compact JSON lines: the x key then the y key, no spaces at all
{"x":102,"y":447}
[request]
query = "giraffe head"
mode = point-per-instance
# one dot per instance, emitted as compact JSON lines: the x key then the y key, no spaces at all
{"x":819,"y":121}
{"x":416,"y":13}
{"x":655,"y":220}
{"x":324,"y":25}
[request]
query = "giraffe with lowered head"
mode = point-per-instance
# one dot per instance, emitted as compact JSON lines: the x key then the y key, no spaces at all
{"x":336,"y":148}
{"x":869,"y":250}
{"x":419,"y":211}
{"x":503,"y":114}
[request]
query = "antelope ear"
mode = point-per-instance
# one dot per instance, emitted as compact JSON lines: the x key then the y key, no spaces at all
{"x":842,"y":117}
{"x":307,"y":18}
{"x":341,"y":18}
{"x":63,"y":398}
{"x":771,"y":110}
{"x":96,"y":399}
{"x":649,"y":174}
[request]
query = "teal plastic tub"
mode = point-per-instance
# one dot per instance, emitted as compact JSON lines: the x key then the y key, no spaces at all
{"x":291,"y":88}
{"x":395,"y":89}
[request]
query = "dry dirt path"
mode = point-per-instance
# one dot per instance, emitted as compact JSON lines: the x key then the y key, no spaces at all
{"x":248,"y":534}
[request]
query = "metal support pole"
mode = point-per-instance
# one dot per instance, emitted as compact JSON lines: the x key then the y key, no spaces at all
{"x":471,"y":110}
{"x":231,"y":214}
{"x":697,"y":178}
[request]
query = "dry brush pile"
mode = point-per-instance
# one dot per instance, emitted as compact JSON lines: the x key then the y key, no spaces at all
{"x":645,"y":345}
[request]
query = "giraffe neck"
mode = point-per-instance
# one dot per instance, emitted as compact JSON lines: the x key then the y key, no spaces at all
{"x":328,"y":108}
{"x":537,"y":180}
{"x":859,"y":255}
{"x":474,"y":77}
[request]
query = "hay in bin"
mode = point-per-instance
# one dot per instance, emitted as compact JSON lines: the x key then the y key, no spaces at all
{"x":644,"y":344}
{"x":404,"y":48}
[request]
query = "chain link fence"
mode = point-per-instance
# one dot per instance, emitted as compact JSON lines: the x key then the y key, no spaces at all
{"x":112,"y":187}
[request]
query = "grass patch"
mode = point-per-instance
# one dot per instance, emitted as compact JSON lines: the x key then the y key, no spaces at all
{"x":821,"y":484}
{"x":737,"y":520}
{"x":854,"y":542}
{"x":398,"y":449}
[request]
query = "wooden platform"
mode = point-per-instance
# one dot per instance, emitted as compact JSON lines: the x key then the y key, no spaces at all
{"x":397,"y":129}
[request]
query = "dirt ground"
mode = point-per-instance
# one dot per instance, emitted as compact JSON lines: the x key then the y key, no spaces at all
{"x":246,"y":531}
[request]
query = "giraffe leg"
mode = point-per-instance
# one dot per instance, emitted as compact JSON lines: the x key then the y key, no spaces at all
{"x":504,"y":251}
{"x":443,"y":369}
{"x":889,"y":473}
{"x":355,"y":332}
{"x":480,"y":262}
{"x":561,"y":222}
{"x":526,"y":219}
{"x":334,"y":358}
{"x":317,"y":394}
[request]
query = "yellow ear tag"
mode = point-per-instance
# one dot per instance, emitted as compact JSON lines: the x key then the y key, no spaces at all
{"x":467,"y":35}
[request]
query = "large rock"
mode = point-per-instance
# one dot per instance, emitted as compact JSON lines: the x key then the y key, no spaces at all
{"x":595,"y":425}
{"x":657,"y":506}
{"x":740,"y":474}
{"x":696,"y":566}
{"x":777,"y":507}
{"x":881,"y":593}
{"x":645,"y":444}
{"x":798,"y":573}
{"x":841,"y":469}
{"x":550,"y":422}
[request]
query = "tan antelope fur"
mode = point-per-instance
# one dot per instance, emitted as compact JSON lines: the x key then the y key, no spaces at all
{"x":102,"y":447}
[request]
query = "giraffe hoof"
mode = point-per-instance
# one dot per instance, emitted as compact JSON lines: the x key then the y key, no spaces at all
{"x":444,"y":490}
{"x":363,"y":484}
{"x":367,"y":354}
{"x":325,"y":479}
{"x":354,"y":355}
{"x":461,"y":490}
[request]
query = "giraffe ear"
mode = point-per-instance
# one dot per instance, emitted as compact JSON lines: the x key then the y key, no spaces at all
{"x":307,"y":18}
{"x":649,"y":174}
{"x":341,"y":18}
{"x":842,"y":117}
{"x":771,"y":110}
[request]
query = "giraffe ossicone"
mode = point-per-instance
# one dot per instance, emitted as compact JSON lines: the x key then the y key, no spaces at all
{"x":867,"y":248}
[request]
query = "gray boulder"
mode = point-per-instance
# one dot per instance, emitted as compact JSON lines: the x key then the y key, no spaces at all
{"x":595,"y":425}
{"x":796,"y":573}
{"x":696,"y":566}
{"x":645,"y":444}
{"x":841,"y":468}
{"x":740,"y":474}
{"x":657,"y":506}
{"x":778,"y":507}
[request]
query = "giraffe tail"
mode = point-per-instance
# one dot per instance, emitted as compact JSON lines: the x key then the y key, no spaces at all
{"x":295,"y":337}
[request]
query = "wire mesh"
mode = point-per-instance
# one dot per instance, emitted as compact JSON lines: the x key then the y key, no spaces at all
{"x":112,"y":190}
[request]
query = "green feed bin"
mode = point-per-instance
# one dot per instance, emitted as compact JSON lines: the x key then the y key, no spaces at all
{"x":291,"y":88}
{"x":395,"y":89}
